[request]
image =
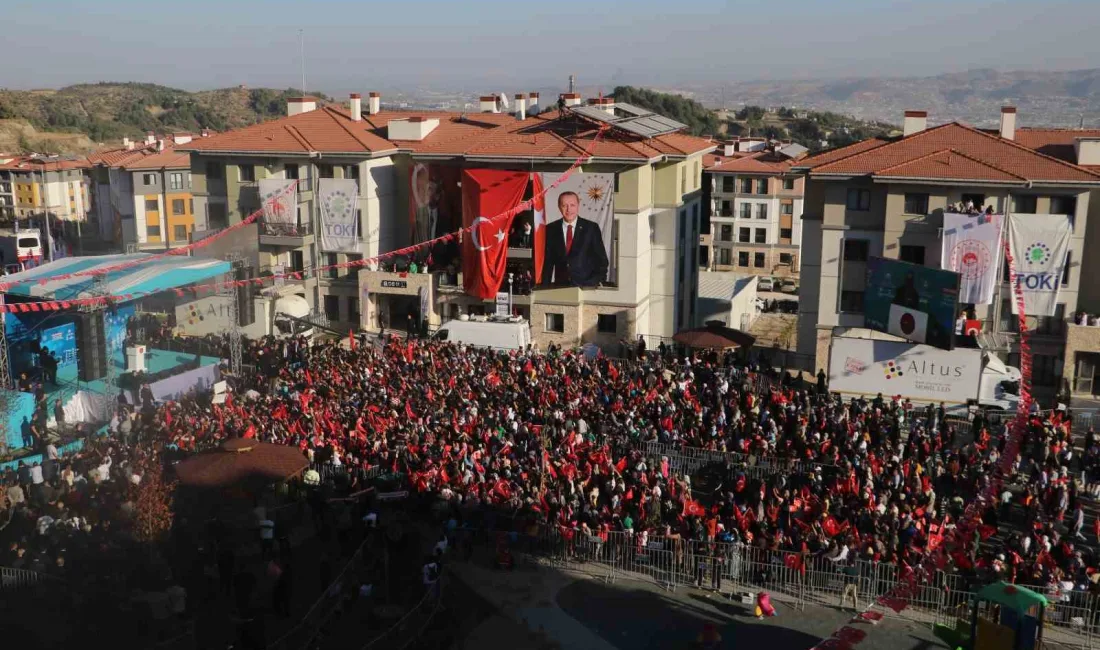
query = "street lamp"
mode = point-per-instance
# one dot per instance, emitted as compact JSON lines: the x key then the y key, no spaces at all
{"x":511,"y":309}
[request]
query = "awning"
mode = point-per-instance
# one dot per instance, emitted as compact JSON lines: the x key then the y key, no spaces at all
{"x":157,"y":274}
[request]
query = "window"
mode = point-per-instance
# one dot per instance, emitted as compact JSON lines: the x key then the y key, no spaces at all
{"x":761,"y":235}
{"x":912,"y":254}
{"x":743,"y":235}
{"x":191,"y":206}
{"x":290,"y":172}
{"x":1046,"y":370}
{"x":727,"y":183}
{"x":1063,"y":205}
{"x":177,"y":207}
{"x":851,"y":302}
{"x":351,"y":171}
{"x":297,"y":261}
{"x":785,"y":258}
{"x":179,"y":233}
{"x":175,"y":180}
{"x":153,"y":231}
{"x":1065,"y":269}
{"x":746,"y":211}
{"x":724,"y":256}
{"x":216,"y":214}
{"x":859,"y":200}
{"x":214,"y":171}
{"x":743,"y":258}
{"x":762,"y":186}
{"x":746,"y":186}
{"x":1052,"y":325}
{"x":856,"y":250}
{"x":247,"y":173}
{"x":331,"y":261}
{"x":325,"y":171}
{"x":352,"y":271}
{"x":332,"y":307}
{"x":555,"y":322}
{"x":785,"y":233}
{"x":916,"y":203}
{"x":788,"y":183}
{"x":151,"y":205}
{"x":1024,"y":203}
{"x":762,"y":211}
{"x":758,"y":260}
{"x":353,"y":310}
{"x":615,"y":189}
{"x":1009,"y":321}
{"x":148,"y":179}
{"x":977,"y":199}
{"x":727,"y":233}
{"x":607,"y":323}
{"x":683,"y":179}
{"x":786,"y":209}
{"x":727,"y":209}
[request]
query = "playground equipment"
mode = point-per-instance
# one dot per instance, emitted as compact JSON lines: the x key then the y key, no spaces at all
{"x":1003,"y":616}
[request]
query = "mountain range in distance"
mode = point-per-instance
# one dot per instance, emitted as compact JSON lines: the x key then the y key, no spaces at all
{"x":1043,"y":98}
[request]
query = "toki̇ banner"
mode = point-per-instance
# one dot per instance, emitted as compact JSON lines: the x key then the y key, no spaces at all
{"x":1040,"y":247}
{"x":972,"y":248}
{"x":339,"y":202}
{"x":279,"y":200}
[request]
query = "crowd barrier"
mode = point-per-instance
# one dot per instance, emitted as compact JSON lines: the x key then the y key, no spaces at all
{"x":739,"y":571}
{"x":688,"y":460}
{"x":330,"y":472}
{"x":11,"y":579}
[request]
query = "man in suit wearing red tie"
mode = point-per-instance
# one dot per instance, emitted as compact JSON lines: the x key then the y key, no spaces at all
{"x":574,"y":253}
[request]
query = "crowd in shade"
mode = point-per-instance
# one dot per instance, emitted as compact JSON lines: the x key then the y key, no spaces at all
{"x":557,"y":441}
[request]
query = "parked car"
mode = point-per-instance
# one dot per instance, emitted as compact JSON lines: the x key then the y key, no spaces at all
{"x":788,"y":286}
{"x":765,"y":284}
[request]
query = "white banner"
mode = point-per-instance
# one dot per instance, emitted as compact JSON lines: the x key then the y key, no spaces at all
{"x":502,"y":304}
{"x":1040,"y":244}
{"x":920,"y":372}
{"x":972,"y":248}
{"x":280,"y":204}
{"x":338,"y":198}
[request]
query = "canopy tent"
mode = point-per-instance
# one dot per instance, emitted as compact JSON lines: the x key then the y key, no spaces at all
{"x":240,"y":462}
{"x":714,"y":335}
{"x":1020,"y":599}
{"x":156,"y":274}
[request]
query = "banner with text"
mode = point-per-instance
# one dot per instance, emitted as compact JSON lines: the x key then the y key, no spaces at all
{"x":339,"y":201}
{"x":972,"y":248}
{"x":280,"y":202}
{"x":1040,"y":246}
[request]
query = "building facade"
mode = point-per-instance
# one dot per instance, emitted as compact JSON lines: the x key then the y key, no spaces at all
{"x":31,"y":186}
{"x":886,"y":197}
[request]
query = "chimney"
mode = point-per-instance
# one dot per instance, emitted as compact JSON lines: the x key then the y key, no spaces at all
{"x":487,"y":103}
{"x":571,"y":99}
{"x":181,"y":138}
{"x":160,"y":145}
{"x":206,"y":133}
{"x":374,"y":103}
{"x":296,"y":105}
{"x":533,"y":104}
{"x":1008,"y":122}
{"x":915,"y":122}
{"x":521,"y":107}
{"x":127,"y":144}
{"x":1087,"y":150}
{"x":150,"y":137}
{"x":606,"y":104}
{"x":356,"y":107}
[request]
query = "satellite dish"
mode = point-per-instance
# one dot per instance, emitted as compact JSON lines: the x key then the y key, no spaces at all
{"x":503,"y":100}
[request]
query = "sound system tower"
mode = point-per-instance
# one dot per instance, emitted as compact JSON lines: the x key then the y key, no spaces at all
{"x":91,"y":351}
{"x":246,"y":305}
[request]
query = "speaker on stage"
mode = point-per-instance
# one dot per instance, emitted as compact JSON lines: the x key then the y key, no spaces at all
{"x":246,"y":306}
{"x":91,"y":350}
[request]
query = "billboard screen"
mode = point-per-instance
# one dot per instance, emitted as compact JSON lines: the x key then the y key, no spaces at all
{"x":572,"y":230}
{"x":911,"y":301}
{"x":920,"y":372}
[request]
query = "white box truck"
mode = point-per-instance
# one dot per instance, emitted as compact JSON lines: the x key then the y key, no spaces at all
{"x":922,"y":373}
{"x":510,"y":334}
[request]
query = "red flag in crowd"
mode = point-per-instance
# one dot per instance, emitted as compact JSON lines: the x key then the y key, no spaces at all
{"x":409,"y":411}
{"x":351,"y":340}
{"x":693,"y":508}
{"x":251,"y":432}
{"x":489,"y":197}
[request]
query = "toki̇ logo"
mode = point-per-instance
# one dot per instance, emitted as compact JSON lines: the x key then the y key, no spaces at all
{"x":1037,"y":253}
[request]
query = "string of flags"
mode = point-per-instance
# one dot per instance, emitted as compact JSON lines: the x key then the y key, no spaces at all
{"x":897,"y":599}
{"x":214,"y":287}
{"x":122,"y":266}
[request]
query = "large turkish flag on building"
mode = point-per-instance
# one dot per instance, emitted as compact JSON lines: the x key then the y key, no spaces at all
{"x":489,"y":201}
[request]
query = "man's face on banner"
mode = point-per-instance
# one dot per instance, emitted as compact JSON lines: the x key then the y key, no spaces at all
{"x":569,"y":206}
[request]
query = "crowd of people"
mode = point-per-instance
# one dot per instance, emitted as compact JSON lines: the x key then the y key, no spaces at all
{"x":558,"y":440}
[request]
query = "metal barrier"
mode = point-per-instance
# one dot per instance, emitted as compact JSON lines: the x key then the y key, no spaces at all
{"x":330,"y":472}
{"x":687,"y":460}
{"x":20,"y":578}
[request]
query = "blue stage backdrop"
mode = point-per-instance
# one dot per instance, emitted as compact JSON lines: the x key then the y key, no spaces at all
{"x":61,"y":340}
{"x":18,"y":411}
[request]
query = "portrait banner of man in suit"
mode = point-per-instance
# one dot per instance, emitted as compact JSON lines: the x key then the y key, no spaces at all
{"x":573,"y":231}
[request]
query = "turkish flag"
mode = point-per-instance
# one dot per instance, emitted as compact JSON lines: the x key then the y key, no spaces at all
{"x":538,"y":199}
{"x":490,"y":199}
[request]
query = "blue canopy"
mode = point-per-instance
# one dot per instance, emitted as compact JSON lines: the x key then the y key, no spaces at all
{"x":142,"y":279}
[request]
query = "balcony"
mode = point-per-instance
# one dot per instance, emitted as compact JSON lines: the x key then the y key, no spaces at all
{"x":285,"y":271}
{"x":291,"y":235}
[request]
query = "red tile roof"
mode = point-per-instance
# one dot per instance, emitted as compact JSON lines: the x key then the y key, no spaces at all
{"x":974,"y":156}
{"x":760,"y":162}
{"x":1057,"y":143}
{"x":328,"y":129}
{"x":121,"y":156}
{"x":29,"y":164}
{"x":167,"y":159}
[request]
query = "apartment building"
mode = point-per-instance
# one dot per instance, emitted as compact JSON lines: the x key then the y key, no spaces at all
{"x":756,"y":208}
{"x":32,"y":185}
{"x":657,"y":207}
{"x":7,"y":189}
{"x":886,"y":196}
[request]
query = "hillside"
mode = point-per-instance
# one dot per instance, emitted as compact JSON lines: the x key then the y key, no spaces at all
{"x":700,"y":120}
{"x":1044,"y":98}
{"x":107,"y":112}
{"x":814,"y":130}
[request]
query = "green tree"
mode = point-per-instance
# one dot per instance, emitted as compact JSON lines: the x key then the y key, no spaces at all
{"x":699,"y":119}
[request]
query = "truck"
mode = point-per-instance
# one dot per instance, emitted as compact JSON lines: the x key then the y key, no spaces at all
{"x":958,"y":378}
{"x":500,"y":334}
{"x":20,"y":250}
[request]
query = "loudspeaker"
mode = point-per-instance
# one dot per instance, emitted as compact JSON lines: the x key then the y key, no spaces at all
{"x":246,"y":306}
{"x":91,"y":350}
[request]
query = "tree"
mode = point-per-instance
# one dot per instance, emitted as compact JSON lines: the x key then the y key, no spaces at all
{"x":153,"y":515}
{"x":699,"y":119}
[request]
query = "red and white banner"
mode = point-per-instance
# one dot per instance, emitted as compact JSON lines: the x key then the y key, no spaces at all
{"x":972,"y":248}
{"x":485,"y":194}
{"x":538,"y":202}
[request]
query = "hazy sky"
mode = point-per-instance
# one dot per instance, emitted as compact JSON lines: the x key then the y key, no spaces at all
{"x":487,"y":45}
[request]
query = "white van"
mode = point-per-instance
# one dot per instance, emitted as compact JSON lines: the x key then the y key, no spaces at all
{"x":501,"y":335}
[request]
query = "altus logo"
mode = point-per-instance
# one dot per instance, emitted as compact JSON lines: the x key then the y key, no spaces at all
{"x":920,"y":369}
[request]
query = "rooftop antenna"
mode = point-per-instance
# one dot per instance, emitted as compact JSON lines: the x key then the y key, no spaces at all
{"x":572,"y":84}
{"x":302,"y":58}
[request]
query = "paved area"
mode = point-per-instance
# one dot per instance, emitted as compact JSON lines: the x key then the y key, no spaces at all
{"x":569,"y":609}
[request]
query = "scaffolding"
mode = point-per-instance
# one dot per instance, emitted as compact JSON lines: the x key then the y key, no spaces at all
{"x":229,"y":290}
